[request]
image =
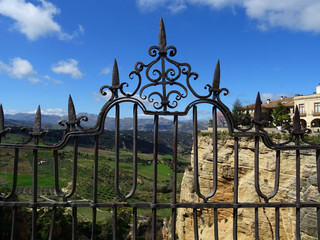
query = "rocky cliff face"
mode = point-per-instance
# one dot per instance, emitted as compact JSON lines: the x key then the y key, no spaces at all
{"x":247,"y":192}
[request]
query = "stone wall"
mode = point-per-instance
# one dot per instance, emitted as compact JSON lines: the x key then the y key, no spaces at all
{"x":247,"y":193}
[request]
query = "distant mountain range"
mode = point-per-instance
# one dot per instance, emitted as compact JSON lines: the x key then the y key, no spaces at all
{"x":144,"y":124}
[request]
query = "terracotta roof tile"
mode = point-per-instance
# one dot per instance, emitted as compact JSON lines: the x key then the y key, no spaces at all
{"x":287,"y":102}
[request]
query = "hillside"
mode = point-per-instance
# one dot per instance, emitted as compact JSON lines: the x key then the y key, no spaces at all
{"x":144,"y":124}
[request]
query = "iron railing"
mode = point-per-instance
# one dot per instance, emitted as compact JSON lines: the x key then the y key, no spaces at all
{"x":160,"y":103}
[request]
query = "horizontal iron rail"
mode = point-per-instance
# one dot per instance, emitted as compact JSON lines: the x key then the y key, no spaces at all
{"x":150,"y":205}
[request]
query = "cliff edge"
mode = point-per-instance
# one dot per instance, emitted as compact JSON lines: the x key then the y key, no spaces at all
{"x":247,"y":192}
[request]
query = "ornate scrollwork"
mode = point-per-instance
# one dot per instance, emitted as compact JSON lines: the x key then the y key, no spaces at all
{"x":168,"y":76}
{"x":163,"y":72}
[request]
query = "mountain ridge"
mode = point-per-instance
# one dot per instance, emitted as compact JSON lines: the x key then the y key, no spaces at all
{"x":126,"y":123}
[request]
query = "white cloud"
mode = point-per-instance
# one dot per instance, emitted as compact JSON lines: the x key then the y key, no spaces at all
{"x":150,"y":5}
{"x":67,"y":67}
{"x":19,"y":68}
{"x":10,"y":111}
{"x":295,"y":15}
{"x":34,"y":80}
{"x":34,"y":21}
{"x":81,"y":29}
{"x":49,"y":111}
{"x":177,"y":6}
{"x":106,"y":70}
{"x":57,"y":81}
{"x":54,"y":111}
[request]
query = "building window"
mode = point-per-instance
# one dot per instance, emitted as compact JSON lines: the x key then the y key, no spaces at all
{"x":317,"y":107}
{"x":301,"y":108}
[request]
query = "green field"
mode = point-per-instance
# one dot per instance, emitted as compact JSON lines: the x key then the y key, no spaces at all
{"x":26,"y":180}
{"x":85,"y":171}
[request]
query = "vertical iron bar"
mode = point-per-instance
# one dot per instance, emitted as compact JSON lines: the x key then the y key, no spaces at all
{"x":116,"y":142}
{"x":155,"y":176}
{"x":297,"y":142}
{"x":215,"y":151}
{"x":53,"y":218}
{"x":277,"y":225}
{"x":135,"y":225}
{"x":318,"y":221}
{"x":75,"y":167}
{"x":318,"y":168}
{"x":195,"y":224}
{"x":257,"y":186}
{"x":13,"y":224}
{"x":35,"y":194}
{"x":215,"y":214}
{"x":195,"y":150}
{"x":94,"y":220}
{"x":195,"y":154}
{"x":318,"y":181}
{"x":15,"y":173}
{"x":135,"y":152}
{"x":74,"y":222}
{"x":215,"y":167}
{"x":256,"y":223}
{"x":115,"y":223}
{"x":95,"y":185}
{"x":236,"y":187}
{"x":135,"y":147}
{"x":56,"y":175}
{"x":256,"y":174}
{"x":174,"y":177}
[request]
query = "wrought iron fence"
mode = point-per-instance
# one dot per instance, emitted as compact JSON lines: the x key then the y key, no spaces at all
{"x":159,"y":103}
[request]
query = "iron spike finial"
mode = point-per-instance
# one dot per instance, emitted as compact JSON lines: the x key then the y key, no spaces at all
{"x":115,"y":75}
{"x":296,"y":120}
{"x":216,"y":77}
{"x":37,"y":121}
{"x":257,"y":109}
{"x":162,"y":35}
{"x":1,"y":118}
{"x":71,"y":110}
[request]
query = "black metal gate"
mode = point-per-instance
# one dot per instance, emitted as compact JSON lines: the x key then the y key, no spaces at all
{"x":156,"y":104}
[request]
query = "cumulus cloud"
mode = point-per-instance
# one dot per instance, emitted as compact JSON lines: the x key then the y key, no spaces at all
{"x":295,"y":15}
{"x":34,"y":21}
{"x":19,"y":68}
{"x":106,"y":70}
{"x":69,"y":66}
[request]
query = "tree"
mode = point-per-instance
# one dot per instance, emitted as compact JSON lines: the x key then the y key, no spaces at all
{"x":280,"y":114}
{"x":238,"y":113}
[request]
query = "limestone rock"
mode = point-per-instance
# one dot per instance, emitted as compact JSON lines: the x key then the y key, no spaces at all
{"x":247,"y":193}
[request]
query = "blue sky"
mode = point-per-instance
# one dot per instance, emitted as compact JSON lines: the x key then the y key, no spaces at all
{"x":50,"y":49}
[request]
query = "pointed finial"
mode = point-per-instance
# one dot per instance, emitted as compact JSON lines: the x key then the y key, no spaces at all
{"x":1,"y":118}
{"x":216,"y":77}
{"x":37,"y":121}
{"x":162,"y":35}
{"x":296,"y":120}
{"x":71,"y":111}
{"x":257,"y":109}
{"x":115,"y":75}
